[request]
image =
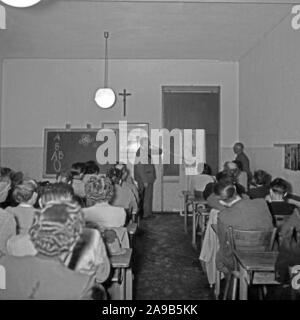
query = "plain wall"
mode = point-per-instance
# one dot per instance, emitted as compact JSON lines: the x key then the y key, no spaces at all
{"x":269,"y":100}
{"x":39,"y":94}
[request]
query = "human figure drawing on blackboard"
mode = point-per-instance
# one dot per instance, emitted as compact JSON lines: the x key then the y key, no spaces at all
{"x":145,"y":176}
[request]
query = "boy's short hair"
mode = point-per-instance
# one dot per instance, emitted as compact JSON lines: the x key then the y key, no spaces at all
{"x":56,"y":193}
{"x":24,"y":192}
{"x":4,"y":171}
{"x":225,"y":190}
{"x":279,"y":186}
{"x":223,"y":176}
{"x":206,"y":169}
{"x":78,"y":168}
{"x":91,"y":167}
{"x":261,"y":177}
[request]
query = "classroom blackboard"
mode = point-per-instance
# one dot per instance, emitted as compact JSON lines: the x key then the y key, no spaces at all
{"x":63,"y":147}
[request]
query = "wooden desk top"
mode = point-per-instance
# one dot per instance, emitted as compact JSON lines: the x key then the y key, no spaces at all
{"x":257,"y":261}
{"x":121,"y":260}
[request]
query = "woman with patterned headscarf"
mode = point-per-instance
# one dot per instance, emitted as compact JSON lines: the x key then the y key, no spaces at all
{"x":54,"y":234}
{"x":99,"y":192}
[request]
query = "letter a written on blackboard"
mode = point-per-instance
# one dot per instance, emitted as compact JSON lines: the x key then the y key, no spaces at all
{"x":57,"y":137}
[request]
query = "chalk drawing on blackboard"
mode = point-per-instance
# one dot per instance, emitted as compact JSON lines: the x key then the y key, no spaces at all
{"x":57,"y":155}
{"x":86,"y":140}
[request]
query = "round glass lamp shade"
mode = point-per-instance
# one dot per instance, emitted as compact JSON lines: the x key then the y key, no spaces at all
{"x":21,"y":3}
{"x":105,"y":98}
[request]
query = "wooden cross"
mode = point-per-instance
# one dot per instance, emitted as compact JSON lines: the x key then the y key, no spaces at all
{"x":124,"y":94}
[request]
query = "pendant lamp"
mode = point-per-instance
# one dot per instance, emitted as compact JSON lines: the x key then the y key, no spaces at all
{"x":21,"y":3}
{"x":105,"y":97}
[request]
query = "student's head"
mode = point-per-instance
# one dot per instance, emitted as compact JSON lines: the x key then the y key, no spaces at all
{"x":26,"y":192}
{"x":261,"y":178}
{"x":225,"y":191}
{"x":278,"y":189}
{"x":99,"y":189}
{"x":56,"y":229}
{"x":223,"y":176}
{"x":16,"y":178}
{"x":206,"y":169}
{"x":78,"y":169}
{"x":203,"y":168}
{"x":5,"y":172}
{"x":91,"y":167}
{"x":64,"y":177}
{"x":232,"y":169}
{"x":118,"y":173}
{"x":238,"y":148}
{"x":56,"y":193}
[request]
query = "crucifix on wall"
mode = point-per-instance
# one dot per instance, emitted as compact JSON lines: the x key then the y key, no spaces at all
{"x":124,"y":94}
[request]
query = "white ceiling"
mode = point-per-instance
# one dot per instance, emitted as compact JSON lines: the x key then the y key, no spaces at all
{"x":138,"y":30}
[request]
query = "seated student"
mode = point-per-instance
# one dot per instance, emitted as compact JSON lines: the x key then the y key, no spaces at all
{"x":224,"y":177}
{"x":54,"y":233}
{"x":91,"y":169}
{"x":25,"y":195}
{"x":99,"y":192}
{"x":276,"y":199}
{"x":123,"y":196}
{"x":21,"y":245}
{"x":56,"y":193}
{"x":289,"y":249}
{"x":240,"y":175}
{"x":199,"y":182}
{"x":261,"y":181}
{"x":244,"y":214}
{"x":77,"y":172}
{"x":8,"y":225}
{"x":16,"y":179}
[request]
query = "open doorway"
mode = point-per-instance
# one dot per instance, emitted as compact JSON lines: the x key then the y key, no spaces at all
{"x":189,"y":107}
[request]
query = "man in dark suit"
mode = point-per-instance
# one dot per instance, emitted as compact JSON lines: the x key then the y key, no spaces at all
{"x":145,"y":176}
{"x":238,"y":149}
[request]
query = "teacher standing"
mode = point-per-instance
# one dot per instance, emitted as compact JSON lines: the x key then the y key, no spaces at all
{"x":145,"y":176}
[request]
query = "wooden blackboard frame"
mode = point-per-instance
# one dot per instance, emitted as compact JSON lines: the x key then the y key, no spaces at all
{"x":47,"y":130}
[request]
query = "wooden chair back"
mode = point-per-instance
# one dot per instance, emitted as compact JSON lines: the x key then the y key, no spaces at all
{"x":251,"y":240}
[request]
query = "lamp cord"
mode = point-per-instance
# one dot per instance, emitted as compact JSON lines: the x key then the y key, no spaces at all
{"x":106,"y":60}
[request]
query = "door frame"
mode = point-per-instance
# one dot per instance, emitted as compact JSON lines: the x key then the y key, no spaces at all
{"x":188,"y":89}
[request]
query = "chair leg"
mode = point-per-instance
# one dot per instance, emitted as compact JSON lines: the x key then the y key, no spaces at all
{"x":228,"y":281}
{"x":234,"y":287}
{"x":217,"y":285}
{"x":262,"y":292}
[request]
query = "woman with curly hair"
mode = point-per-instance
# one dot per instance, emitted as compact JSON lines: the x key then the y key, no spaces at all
{"x":54,"y":234}
{"x":99,"y":192}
